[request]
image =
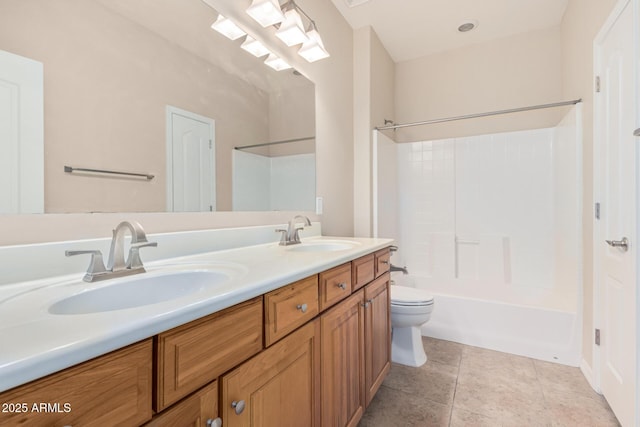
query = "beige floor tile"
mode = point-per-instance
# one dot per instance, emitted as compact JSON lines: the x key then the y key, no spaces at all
{"x":462,"y":418}
{"x":569,"y":409}
{"x":501,"y":398}
{"x":488,"y":388}
{"x":433,"y":381}
{"x":479,"y":361}
{"x":393,"y":408}
{"x":558,"y":377}
{"x":441,"y":351}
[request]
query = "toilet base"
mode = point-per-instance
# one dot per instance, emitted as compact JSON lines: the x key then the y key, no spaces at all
{"x":407,"y":348}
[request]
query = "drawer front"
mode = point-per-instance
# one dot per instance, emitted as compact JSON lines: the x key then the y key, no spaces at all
{"x":335,"y":285}
{"x":198,"y":410}
{"x":383,"y":261}
{"x":114,"y":389}
{"x":289,"y":307}
{"x":192,"y":355}
{"x":363,"y":271}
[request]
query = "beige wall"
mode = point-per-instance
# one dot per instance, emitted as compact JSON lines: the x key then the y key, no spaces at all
{"x":516,"y":71}
{"x":333,"y":78}
{"x":581,"y":23}
{"x":374,"y":89}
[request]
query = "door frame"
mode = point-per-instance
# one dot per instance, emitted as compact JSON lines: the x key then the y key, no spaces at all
{"x":595,"y":377}
{"x":170,"y":111}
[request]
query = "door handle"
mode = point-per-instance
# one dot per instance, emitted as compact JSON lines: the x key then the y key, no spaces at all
{"x":637,"y":132}
{"x":622,"y":244}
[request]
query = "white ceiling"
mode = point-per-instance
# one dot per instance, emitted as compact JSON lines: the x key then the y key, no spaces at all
{"x":411,"y":29}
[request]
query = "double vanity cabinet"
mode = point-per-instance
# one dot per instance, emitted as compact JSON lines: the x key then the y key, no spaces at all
{"x":311,"y":353}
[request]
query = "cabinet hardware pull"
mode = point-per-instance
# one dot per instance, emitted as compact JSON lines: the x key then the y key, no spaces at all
{"x":384,"y":261}
{"x":214,"y":423}
{"x":342,"y":285}
{"x":364,"y":304}
{"x":302,"y":307}
{"x":238,"y":406}
{"x":370,"y":301}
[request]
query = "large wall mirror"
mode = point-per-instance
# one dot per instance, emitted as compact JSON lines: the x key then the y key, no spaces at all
{"x":147,"y":87}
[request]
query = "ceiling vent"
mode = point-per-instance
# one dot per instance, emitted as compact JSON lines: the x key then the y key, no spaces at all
{"x":354,"y":3}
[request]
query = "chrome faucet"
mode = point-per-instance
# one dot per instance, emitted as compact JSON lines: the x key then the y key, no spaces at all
{"x":291,"y":235}
{"x":117,"y":266}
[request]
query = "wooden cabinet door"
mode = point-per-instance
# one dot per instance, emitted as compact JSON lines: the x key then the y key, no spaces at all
{"x":198,"y":410}
{"x":377,"y":334}
{"x":192,"y":355}
{"x":342,"y":330}
{"x":279,"y":387}
{"x":111,"y":390}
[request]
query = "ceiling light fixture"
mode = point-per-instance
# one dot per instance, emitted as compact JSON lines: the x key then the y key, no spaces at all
{"x":313,"y":49}
{"x":254,"y":47}
{"x":291,"y":31}
{"x":266,"y":12}
{"x":227,"y":28}
{"x":276,"y":63}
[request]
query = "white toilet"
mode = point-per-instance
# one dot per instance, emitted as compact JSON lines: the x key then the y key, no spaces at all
{"x":410,"y":309}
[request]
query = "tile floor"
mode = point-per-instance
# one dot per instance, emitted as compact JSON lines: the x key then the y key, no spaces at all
{"x":462,"y":385}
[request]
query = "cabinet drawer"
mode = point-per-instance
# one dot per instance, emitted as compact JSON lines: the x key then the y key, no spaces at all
{"x":114,"y":389}
{"x":383,"y":258}
{"x":196,"y":410}
{"x":335,"y":285}
{"x":289,"y":307}
{"x":195,"y":354}
{"x":363,"y":271}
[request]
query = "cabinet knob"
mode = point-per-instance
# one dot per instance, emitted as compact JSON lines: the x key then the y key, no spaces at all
{"x":238,"y":406}
{"x":302,"y":307}
{"x":384,"y":261}
{"x":342,"y":285}
{"x":214,"y":423}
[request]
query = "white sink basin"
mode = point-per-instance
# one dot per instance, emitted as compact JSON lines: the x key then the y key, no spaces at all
{"x":324,"y":246}
{"x":138,"y":290}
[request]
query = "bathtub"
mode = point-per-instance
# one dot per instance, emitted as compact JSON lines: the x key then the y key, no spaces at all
{"x":545,"y":333}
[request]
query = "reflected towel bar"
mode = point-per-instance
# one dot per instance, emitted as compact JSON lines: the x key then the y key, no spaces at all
{"x":286,"y":141}
{"x":69,"y":169}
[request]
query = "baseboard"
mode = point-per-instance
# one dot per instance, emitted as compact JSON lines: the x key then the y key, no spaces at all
{"x":587,"y":371}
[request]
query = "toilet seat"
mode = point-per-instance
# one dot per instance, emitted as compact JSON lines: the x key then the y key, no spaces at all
{"x":405,"y":296}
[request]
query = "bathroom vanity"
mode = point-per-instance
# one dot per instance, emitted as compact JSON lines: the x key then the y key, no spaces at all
{"x":306,"y":352}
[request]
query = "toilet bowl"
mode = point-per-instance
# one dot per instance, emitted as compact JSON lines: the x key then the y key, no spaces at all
{"x":410,"y":309}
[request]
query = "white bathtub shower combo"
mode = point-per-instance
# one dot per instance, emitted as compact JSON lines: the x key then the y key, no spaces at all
{"x":490,"y":225}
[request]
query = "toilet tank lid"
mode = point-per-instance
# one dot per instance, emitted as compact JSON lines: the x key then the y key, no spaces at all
{"x":404,"y":294}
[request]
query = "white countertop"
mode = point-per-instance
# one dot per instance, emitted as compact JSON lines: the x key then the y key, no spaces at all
{"x":35,"y":343}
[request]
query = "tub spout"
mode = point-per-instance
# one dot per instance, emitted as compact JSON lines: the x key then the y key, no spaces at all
{"x":403,"y":269}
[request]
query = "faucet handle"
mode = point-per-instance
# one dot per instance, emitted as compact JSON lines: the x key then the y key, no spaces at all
{"x":133,"y":260}
{"x":296,"y":235}
{"x":283,"y":238}
{"x":96,"y":266}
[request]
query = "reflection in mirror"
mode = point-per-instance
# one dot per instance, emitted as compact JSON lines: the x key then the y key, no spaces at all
{"x":148,"y":87}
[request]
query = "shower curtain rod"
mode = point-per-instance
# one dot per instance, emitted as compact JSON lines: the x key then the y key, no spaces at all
{"x":473,"y":116}
{"x":286,"y":141}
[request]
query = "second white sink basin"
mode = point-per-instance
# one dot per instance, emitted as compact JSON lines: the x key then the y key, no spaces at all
{"x":139,"y":290}
{"x":323,"y":246}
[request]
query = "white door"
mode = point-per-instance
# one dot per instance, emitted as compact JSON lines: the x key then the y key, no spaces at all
{"x":190,"y":162}
{"x":615,"y":180}
{"x":21,"y":135}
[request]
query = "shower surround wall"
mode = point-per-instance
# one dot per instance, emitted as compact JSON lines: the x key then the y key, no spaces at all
{"x":490,"y":225}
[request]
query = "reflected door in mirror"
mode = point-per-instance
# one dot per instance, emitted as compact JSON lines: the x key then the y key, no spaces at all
{"x":190,"y":162}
